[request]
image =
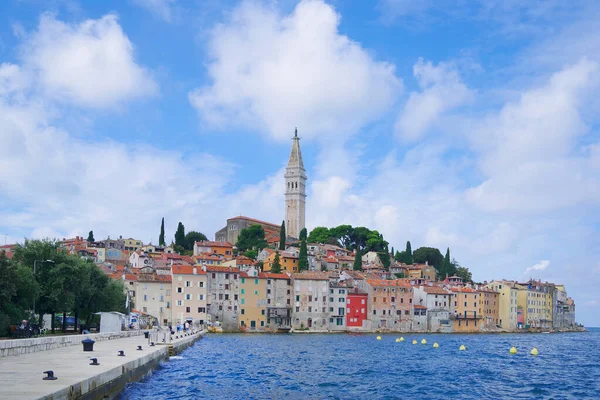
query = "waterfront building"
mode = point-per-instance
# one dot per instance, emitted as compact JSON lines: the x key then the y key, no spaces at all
{"x":235,"y":225}
{"x":295,"y":190}
{"x":189,"y":292}
{"x":390,"y":304}
{"x":337,"y":306}
{"x":224,"y":249}
{"x":279,"y":301}
{"x":535,"y":298}
{"x":243,"y":263}
{"x":507,"y":303}
{"x":437,"y":301}
{"x":466,"y":306}
{"x":132,"y":244}
{"x":223,"y":296}
{"x":356,"y":310}
{"x":153,"y":295}
{"x":488,"y":308}
{"x":288,"y":262}
{"x":311,"y":293}
{"x":253,"y":303}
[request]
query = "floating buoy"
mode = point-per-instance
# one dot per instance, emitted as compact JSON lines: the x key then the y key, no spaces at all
{"x":534,"y":352}
{"x":378,"y":337}
{"x":401,"y":338}
{"x":462,"y":347}
{"x":513,"y":350}
{"x":398,"y":340}
{"x":435,"y":345}
{"x":423,"y":341}
{"x":414,"y":342}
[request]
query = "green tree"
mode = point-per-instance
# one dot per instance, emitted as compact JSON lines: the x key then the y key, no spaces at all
{"x":180,"y":236}
{"x":392,"y":252}
{"x":318,"y":235}
{"x":399,"y":256}
{"x":282,"y":236}
{"x":447,"y":268}
{"x":161,"y":237}
{"x":251,"y":254}
{"x":357,"y":261}
{"x":385,"y":259}
{"x":276,"y":266}
{"x":90,"y":238}
{"x":344,"y":235}
{"x":409,"y":254}
{"x":252,"y":237}
{"x":464,"y":273}
{"x":430,"y":255}
{"x":192,"y":237}
{"x":303,"y":255}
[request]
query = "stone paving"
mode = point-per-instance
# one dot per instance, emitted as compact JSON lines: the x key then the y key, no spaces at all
{"x":21,"y":376}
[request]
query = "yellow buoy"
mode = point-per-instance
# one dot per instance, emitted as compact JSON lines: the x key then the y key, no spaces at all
{"x":435,"y":345}
{"x":378,"y":337}
{"x":534,"y":352}
{"x":397,"y":340}
{"x":513,"y":350}
{"x":462,"y":347}
{"x":414,"y":342}
{"x":423,"y":341}
{"x":401,"y":339}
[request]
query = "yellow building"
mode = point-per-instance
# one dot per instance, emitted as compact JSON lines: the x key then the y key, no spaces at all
{"x":288,"y":261}
{"x":132,"y":244}
{"x":253,"y":301}
{"x":535,"y":299}
{"x":507,"y":303}
{"x":465,"y":302}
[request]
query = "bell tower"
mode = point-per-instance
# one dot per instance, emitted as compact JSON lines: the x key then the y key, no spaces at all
{"x":295,"y":190}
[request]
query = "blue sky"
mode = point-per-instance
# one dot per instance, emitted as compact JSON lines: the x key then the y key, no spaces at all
{"x":471,"y":125}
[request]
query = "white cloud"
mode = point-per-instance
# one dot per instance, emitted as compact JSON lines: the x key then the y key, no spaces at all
{"x":90,"y":64}
{"x":160,"y":8}
{"x":541,"y":266}
{"x":529,"y":153}
{"x":273,"y":72}
{"x":442,"y":91}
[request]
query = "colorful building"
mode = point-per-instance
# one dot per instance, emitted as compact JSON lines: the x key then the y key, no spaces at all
{"x":223,"y":296}
{"x":189,"y":293}
{"x":466,"y":309}
{"x":287,"y":260}
{"x":390,"y":304}
{"x":253,"y":303}
{"x":310,"y":302}
{"x":279,"y":301}
{"x":337,"y":306}
{"x":356,"y":310}
{"x":488,"y":308}
{"x":224,"y":249}
{"x":507,"y":303}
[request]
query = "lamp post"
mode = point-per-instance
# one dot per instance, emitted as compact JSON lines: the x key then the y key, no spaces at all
{"x":34,"y":272}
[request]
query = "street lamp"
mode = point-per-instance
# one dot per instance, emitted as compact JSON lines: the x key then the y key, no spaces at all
{"x":34,"y":272}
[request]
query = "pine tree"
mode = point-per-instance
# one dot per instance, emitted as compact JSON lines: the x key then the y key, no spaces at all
{"x":357,"y":261}
{"x":393,"y":253}
{"x":276,"y":266}
{"x":161,"y":238}
{"x":90,"y":238}
{"x":282,"y":236}
{"x":303,"y":256}
{"x":180,"y":236}
{"x":409,"y":255}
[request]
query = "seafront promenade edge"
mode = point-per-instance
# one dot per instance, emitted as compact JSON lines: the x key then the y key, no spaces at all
{"x":21,"y":376}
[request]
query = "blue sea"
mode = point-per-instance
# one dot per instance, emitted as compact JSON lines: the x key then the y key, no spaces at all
{"x":343,"y":366}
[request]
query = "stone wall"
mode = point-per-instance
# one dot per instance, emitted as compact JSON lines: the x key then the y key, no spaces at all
{"x":22,"y":346}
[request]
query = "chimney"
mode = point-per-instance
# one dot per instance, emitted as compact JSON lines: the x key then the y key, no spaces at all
{"x":204,"y":267}
{"x":195,"y":271}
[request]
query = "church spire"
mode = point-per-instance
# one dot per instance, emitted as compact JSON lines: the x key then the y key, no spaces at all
{"x":296,"y":155}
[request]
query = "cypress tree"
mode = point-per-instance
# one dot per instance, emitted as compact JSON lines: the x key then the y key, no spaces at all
{"x":180,"y":236}
{"x":161,"y":237}
{"x":276,"y":266}
{"x":357,"y":261}
{"x":446,"y":266}
{"x":282,"y":236}
{"x":303,"y":256}
{"x":393,"y":253}
{"x":90,"y":238}
{"x":409,"y":255}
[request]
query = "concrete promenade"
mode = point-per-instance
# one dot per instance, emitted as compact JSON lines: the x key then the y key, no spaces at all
{"x":21,"y":376}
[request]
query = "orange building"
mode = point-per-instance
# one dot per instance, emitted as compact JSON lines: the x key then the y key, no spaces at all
{"x":288,"y":261}
{"x":224,"y":249}
{"x":466,"y":309}
{"x":489,"y":307}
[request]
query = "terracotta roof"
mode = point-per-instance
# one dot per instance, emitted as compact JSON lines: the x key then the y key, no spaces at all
{"x":255,"y":220}
{"x":218,"y":268}
{"x":435,"y":290}
{"x":153,"y":278}
{"x":208,"y":256}
{"x":259,"y":276}
{"x":206,"y":243}
{"x":332,"y":259}
{"x":314,"y":275}
{"x":271,"y":275}
{"x":385,"y":282}
{"x":187,"y":270}
{"x":119,"y":276}
{"x":463,"y":289}
{"x":420,"y":307}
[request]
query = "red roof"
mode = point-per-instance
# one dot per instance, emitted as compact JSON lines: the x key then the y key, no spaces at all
{"x":186,"y":270}
{"x":259,"y":276}
{"x":119,"y":276}
{"x":206,"y":243}
{"x":421,"y":307}
{"x":218,"y":268}
{"x":315,"y":276}
{"x":255,"y":220}
{"x":435,"y":290}
{"x":271,"y":275}
{"x":385,"y":282}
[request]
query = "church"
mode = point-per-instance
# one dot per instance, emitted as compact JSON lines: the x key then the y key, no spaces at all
{"x":295,"y":203}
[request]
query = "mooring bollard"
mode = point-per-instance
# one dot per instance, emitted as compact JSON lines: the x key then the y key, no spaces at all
{"x":88,"y":344}
{"x":121,"y":353}
{"x":151,"y":344}
{"x":50,"y":376}
{"x":94,"y":361}
{"x":139,"y":348}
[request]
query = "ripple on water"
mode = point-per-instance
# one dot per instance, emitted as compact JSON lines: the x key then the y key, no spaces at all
{"x":343,"y":366}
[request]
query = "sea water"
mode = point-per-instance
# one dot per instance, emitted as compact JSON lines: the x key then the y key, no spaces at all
{"x":342,"y":366}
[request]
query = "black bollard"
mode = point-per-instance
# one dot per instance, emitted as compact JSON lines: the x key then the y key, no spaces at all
{"x":94,"y":361}
{"x":121,"y":353}
{"x":151,"y":344}
{"x":139,"y":348}
{"x":50,"y":376}
{"x":88,"y":344}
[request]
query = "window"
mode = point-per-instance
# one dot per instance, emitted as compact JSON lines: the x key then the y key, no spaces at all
{"x":234,"y":276}
{"x":187,"y":309}
{"x":226,"y":297}
{"x":220,"y":296}
{"x":362,"y":310}
{"x":374,"y":312}
{"x":309,"y":309}
{"x":256,"y":281}
{"x":226,"y":276}
{"x":362,"y":301}
{"x":201,"y":309}
{"x":243,"y":280}
{"x":214,"y":276}
{"x":242,"y":311}
{"x":297,"y":309}
{"x":309,"y":298}
{"x":162,"y":298}
{"x":341,"y":300}
{"x":188,"y":283}
{"x":235,"y":297}
{"x":262,"y":312}
{"x":179,"y":290}
{"x":374,"y":299}
{"x":200,"y":297}
{"x":256,"y":292}
{"x":242,"y":291}
{"x":262,"y":323}
{"x":188,"y":296}
{"x":145,"y":298}
{"x":226,"y":286}
{"x":243,"y":301}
